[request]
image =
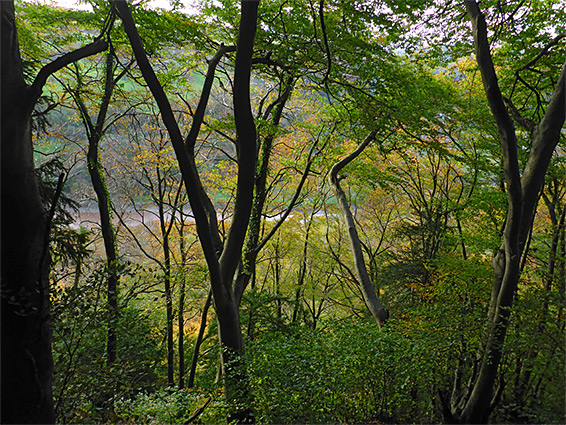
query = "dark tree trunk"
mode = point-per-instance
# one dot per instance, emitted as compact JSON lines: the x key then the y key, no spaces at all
{"x":181,"y":322}
{"x":524,"y":371}
{"x":475,"y":402}
{"x":95,"y":131}
{"x":557,"y":215}
{"x":169,"y":316}
{"x":301,"y":276}
{"x":223,"y":260}
{"x":27,"y":364}
{"x":247,"y":268}
{"x":99,"y":186}
{"x":181,"y":339}
{"x":165,"y":232}
{"x":562,"y":267}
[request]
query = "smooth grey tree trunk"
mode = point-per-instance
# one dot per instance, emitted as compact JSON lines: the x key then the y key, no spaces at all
{"x":377,"y":310}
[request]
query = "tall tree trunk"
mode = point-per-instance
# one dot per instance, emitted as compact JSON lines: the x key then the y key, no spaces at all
{"x":182,"y":290}
{"x":247,"y":269}
{"x":301,"y":277}
{"x":557,"y":215}
{"x":170,"y":342}
{"x":558,"y":222}
{"x":223,"y":260}
{"x":169,"y":314}
{"x":27,"y":364}
{"x":377,"y":310}
{"x":108,"y":236}
{"x":165,"y":231}
{"x":475,"y":403}
{"x":562,"y":266}
{"x":96,"y":173}
{"x":181,"y":338}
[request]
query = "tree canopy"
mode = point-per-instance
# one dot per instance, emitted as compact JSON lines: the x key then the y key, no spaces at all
{"x":288,"y":211}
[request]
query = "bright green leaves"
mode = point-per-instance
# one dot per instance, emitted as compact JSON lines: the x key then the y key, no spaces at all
{"x":45,"y":32}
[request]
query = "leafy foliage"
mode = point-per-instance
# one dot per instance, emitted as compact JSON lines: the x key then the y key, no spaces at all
{"x":343,"y":372}
{"x":169,"y":406}
{"x":428,"y":196}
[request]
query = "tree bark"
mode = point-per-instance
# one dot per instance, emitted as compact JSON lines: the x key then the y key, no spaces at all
{"x":301,"y":275}
{"x":377,"y":310}
{"x":27,"y":364}
{"x":181,"y":338}
{"x":247,"y":268}
{"x":182,"y":292}
{"x":165,"y":231}
{"x":95,"y":132}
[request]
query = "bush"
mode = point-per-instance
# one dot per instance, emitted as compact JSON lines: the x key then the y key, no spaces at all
{"x":84,"y":386}
{"x":170,"y":406}
{"x":343,"y":373}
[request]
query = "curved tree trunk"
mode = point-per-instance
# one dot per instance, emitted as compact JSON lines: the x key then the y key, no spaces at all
{"x":95,"y":132}
{"x":377,"y":310}
{"x":222,"y":261}
{"x":475,"y":402}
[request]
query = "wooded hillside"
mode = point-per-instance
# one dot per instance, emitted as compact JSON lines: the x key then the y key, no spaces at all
{"x":287,"y":211}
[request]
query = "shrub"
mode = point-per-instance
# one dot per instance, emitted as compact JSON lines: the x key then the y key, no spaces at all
{"x":170,"y":406}
{"x":342,"y":373}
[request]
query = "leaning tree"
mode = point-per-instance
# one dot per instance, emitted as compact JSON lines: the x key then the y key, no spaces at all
{"x":473,"y":403}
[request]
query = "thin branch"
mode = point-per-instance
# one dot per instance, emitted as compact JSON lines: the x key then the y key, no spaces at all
{"x":293,"y":201}
{"x":198,"y":412}
{"x":543,"y":52}
{"x":198,"y":116}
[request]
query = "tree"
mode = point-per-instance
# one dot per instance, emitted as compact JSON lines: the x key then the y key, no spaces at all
{"x":27,"y":364}
{"x":99,"y":119}
{"x":155,"y":171}
{"x":474,"y":403}
{"x":95,"y":130}
{"x":377,"y":310}
{"x":222,"y":259}
{"x":427,"y":193}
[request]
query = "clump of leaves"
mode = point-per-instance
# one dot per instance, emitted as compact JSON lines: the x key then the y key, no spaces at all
{"x":171,"y":406}
{"x":340,"y":372}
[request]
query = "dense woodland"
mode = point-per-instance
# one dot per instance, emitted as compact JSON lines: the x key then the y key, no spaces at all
{"x":286,"y":211}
